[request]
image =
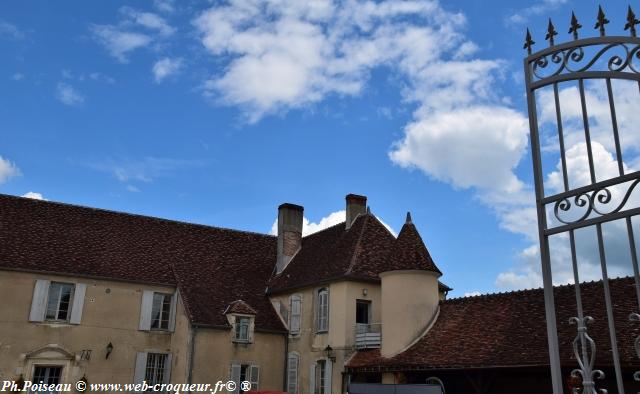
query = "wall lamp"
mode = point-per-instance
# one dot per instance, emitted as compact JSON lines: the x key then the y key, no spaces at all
{"x":109,"y":349}
{"x":328,"y":351}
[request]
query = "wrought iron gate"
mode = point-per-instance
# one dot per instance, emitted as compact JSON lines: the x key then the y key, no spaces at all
{"x":567,"y":207}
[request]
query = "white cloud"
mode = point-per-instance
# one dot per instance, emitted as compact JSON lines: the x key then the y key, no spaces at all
{"x":472,"y":294}
{"x":284,"y":55}
{"x":539,"y":8}
{"x":144,"y":170}
{"x":148,"y":20}
{"x":8,"y":30}
{"x":166,"y":6}
{"x":68,"y":95}
{"x":166,"y":67}
{"x":7,"y":170}
{"x":132,"y":189}
{"x":34,"y":195}
{"x":17,"y":76}
{"x":135,"y":30}
{"x":332,"y":219}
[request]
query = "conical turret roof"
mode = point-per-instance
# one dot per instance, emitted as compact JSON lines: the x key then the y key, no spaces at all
{"x":409,"y":251}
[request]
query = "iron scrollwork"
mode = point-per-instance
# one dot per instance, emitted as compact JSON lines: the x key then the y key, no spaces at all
{"x":621,"y":57}
{"x":589,"y":201}
{"x":584,"y":349}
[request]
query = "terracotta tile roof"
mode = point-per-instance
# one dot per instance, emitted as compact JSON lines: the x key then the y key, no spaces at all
{"x":507,"y":330}
{"x":211,"y":266}
{"x":409,"y":252}
{"x":358,"y":253}
{"x":241,"y":307}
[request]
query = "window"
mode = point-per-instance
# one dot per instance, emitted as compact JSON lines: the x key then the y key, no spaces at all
{"x":321,"y":377}
{"x":242,"y":328}
{"x":292,"y":373}
{"x":59,"y":301}
{"x":322,"y":310}
{"x":296,"y":313}
{"x":160,"y":311}
{"x":153,"y":368}
{"x":363,"y":312}
{"x":46,"y":375}
{"x":245,"y":373}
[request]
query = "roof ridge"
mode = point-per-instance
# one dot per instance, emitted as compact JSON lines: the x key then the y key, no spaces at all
{"x":355,"y":251}
{"x":521,"y":291}
{"x":324,"y":229}
{"x":137,"y":215}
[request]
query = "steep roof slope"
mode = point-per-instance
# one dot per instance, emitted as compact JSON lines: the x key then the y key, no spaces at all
{"x":507,"y":330}
{"x":211,"y":266}
{"x":409,"y":251}
{"x":333,"y":253}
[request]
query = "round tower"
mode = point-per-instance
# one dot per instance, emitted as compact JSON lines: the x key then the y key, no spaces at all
{"x":410,"y":295}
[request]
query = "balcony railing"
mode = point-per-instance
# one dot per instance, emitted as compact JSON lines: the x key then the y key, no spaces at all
{"x":368,"y":335}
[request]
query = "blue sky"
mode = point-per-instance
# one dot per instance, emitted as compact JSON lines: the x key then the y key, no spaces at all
{"x":217,"y":112}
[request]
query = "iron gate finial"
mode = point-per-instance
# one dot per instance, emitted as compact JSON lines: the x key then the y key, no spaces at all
{"x":602,"y":20}
{"x":631,"y":22}
{"x":528,"y":42}
{"x":574,"y":26}
{"x":551,"y":32}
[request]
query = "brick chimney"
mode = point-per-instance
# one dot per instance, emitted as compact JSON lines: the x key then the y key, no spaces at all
{"x":289,"y":233}
{"x":356,"y":205}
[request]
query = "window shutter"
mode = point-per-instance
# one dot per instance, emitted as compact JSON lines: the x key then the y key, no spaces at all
{"x":140,"y":369}
{"x":78,"y":303}
{"x":38,"y":303}
{"x":235,"y":377}
{"x":296,"y":306}
{"x":292,"y":374}
{"x":172,"y":313}
{"x":312,"y":379}
{"x":145,"y":310}
{"x":328,"y":372}
{"x":255,"y":377}
{"x":166,"y":378}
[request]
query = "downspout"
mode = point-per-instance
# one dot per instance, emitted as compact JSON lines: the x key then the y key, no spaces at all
{"x":286,"y":361}
{"x":192,"y":351}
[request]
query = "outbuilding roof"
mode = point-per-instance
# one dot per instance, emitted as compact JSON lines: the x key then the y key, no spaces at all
{"x":509,"y":330}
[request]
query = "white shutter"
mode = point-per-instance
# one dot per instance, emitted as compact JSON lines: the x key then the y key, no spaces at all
{"x":235,"y":377}
{"x":296,"y":307}
{"x":166,"y":378}
{"x":327,"y":373}
{"x":254,"y":377}
{"x":312,"y":379}
{"x":38,"y":303}
{"x":292,"y":374}
{"x":172,"y":313}
{"x":145,"y":310}
{"x":140,"y":369}
{"x":78,"y":303}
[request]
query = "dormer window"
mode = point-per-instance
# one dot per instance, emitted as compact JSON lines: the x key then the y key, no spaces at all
{"x":243,"y":324}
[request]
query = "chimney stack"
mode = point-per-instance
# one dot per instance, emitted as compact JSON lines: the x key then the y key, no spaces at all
{"x":356,"y":205}
{"x":289,"y":234}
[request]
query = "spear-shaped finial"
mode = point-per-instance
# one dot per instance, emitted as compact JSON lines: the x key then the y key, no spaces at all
{"x":602,"y":20}
{"x":528,"y":42}
{"x":551,"y":32}
{"x":409,"y":217}
{"x":631,"y":22}
{"x":574,"y":26}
